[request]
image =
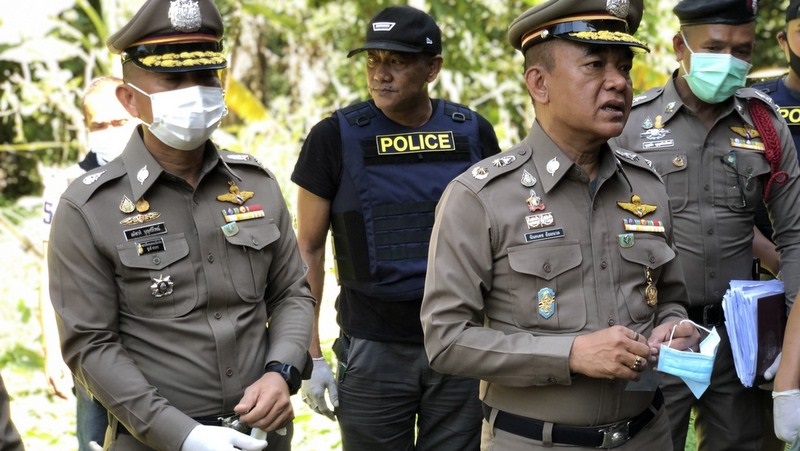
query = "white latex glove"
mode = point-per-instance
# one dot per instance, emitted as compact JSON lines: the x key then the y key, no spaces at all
{"x":313,"y":390}
{"x":218,"y":438}
{"x":770,"y":372}
{"x":786,"y":410}
{"x":94,"y":446}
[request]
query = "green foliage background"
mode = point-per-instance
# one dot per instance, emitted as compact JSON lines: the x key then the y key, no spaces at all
{"x":287,"y":70}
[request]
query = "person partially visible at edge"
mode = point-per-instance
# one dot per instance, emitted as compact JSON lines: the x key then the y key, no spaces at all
{"x":180,"y":294}
{"x":711,"y":140}
{"x":109,"y":127}
{"x":785,"y":92}
{"x":372,"y":173}
{"x":9,"y":436}
{"x":543,"y":281}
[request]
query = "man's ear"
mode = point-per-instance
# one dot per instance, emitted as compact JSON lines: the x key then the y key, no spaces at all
{"x":125,"y":95}
{"x":782,"y":42}
{"x":435,"y":68}
{"x":536,"y":79}
{"x":679,"y":47}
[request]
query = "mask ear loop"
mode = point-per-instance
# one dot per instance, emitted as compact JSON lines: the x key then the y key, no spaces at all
{"x":681,"y":322}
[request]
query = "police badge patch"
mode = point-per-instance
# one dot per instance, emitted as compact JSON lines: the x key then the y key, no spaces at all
{"x":547,"y":302}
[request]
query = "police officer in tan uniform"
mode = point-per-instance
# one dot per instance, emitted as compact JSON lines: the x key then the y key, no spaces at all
{"x":710,"y":140}
{"x":188,"y":303}
{"x":552,"y":272}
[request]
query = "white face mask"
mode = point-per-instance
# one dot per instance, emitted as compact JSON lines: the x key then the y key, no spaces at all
{"x":111,"y":141}
{"x":185,"y":118}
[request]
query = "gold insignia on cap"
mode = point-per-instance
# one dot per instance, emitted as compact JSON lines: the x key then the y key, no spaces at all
{"x":184,"y":15}
{"x":636,"y":206}
{"x":608,"y":36}
{"x":618,"y":8}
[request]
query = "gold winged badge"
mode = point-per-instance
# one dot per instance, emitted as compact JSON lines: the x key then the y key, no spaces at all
{"x":636,"y":206}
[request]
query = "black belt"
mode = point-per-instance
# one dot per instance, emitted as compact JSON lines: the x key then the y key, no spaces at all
{"x":211,"y":420}
{"x":707,"y":315}
{"x":597,"y":437}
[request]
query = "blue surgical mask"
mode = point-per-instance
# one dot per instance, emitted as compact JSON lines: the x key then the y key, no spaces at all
{"x":694,"y":368}
{"x":715,"y":77}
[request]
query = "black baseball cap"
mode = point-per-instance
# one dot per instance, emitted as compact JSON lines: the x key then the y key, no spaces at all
{"x":792,"y":12}
{"x":402,"y":29}
{"x":725,"y":12}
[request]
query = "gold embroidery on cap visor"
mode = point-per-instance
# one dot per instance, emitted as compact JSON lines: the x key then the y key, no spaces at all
{"x":588,"y":29}
{"x":183,"y":59}
{"x":154,"y":55}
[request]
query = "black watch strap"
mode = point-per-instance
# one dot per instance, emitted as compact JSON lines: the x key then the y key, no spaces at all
{"x":289,"y":373}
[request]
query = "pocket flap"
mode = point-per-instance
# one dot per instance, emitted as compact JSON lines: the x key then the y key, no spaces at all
{"x":648,"y":251}
{"x":254,"y":235}
{"x":545,"y":261}
{"x":175,"y":248}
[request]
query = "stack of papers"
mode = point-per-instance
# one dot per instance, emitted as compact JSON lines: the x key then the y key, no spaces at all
{"x":741,"y":307}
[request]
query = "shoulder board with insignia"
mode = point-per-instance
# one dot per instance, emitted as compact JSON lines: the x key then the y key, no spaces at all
{"x":85,"y":185}
{"x":238,"y":158}
{"x":647,"y":96}
{"x":634,"y":159}
{"x":750,"y":93}
{"x":483,"y":172}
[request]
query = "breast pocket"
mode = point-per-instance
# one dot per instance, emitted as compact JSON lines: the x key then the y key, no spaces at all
{"x":672,"y":167}
{"x":642,"y":261}
{"x":743,"y":179}
{"x":250,"y":259}
{"x":547,"y":286}
{"x":157,"y":277}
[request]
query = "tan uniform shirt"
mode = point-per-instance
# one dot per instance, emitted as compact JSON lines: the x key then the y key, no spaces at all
{"x":486,"y":311}
{"x":166,"y":319}
{"x":715,"y":179}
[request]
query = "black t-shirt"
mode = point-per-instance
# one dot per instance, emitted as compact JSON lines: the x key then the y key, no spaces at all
{"x":319,"y":171}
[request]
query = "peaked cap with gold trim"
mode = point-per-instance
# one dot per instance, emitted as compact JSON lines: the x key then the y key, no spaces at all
{"x":587,"y":21}
{"x":172,"y":36}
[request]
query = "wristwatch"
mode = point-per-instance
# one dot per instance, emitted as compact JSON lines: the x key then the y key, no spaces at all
{"x":289,"y":374}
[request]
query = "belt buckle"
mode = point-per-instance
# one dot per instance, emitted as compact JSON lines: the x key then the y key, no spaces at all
{"x":615,"y":435}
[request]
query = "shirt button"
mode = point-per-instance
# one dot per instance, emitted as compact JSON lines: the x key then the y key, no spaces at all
{"x":652,"y":259}
{"x":522,"y":151}
{"x":546,"y":267}
{"x":229,"y":372}
{"x":712,"y":274}
{"x":604,"y":265}
{"x":707,"y":187}
{"x":196,"y":200}
{"x":710,"y":231}
{"x":156,"y":260}
{"x":211,"y":258}
{"x":551,"y":380}
{"x":611,"y":321}
{"x":255,"y":241}
{"x":217,"y":315}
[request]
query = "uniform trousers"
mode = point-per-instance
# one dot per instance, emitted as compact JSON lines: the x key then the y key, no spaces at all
{"x":653,"y":437}
{"x":116,"y":441}
{"x":91,"y":419}
{"x":389,"y":395}
{"x":727,"y":417}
